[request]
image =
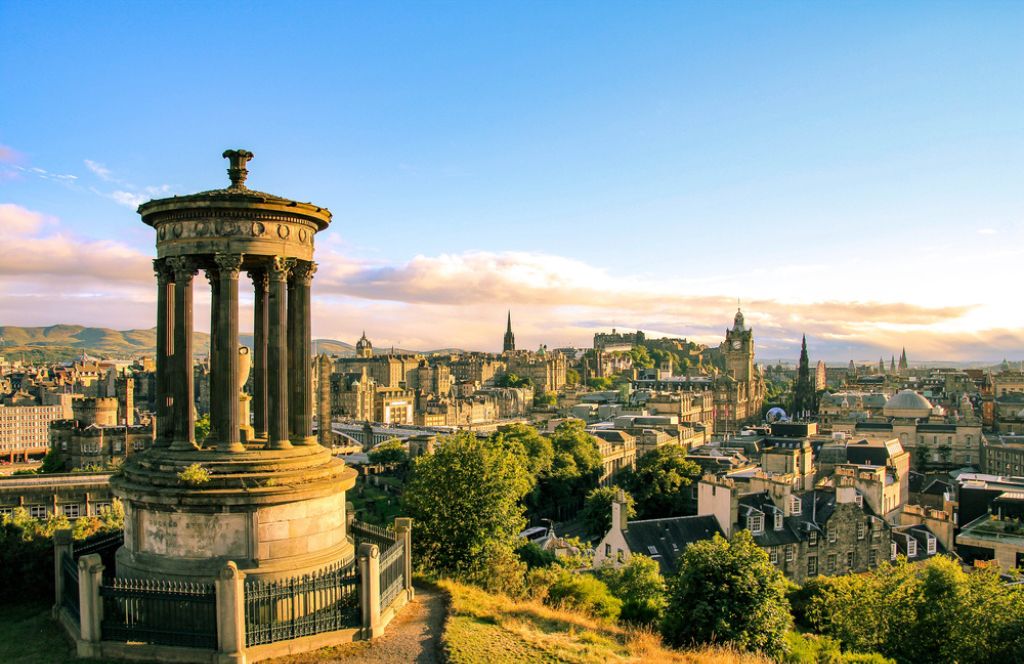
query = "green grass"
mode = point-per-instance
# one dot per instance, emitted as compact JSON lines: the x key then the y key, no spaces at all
{"x":483,"y":627}
{"x":29,"y":636}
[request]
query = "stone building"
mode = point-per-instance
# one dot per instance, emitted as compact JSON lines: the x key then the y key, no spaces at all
{"x":95,"y":438}
{"x":75,"y":495}
{"x":739,"y":391}
{"x":547,"y":371}
{"x":617,"y":341}
{"x":25,"y":430}
{"x":618,"y":452}
{"x":509,"y":342}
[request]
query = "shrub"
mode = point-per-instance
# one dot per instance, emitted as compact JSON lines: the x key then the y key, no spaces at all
{"x":194,"y":475}
{"x":585,"y":593}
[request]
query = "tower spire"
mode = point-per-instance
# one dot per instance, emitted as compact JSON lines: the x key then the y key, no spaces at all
{"x":509,"y":343}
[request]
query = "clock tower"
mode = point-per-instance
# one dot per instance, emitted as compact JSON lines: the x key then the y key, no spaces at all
{"x":739,"y":350}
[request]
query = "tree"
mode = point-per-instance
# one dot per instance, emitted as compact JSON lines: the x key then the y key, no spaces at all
{"x":597,"y":509}
{"x":641,"y":588}
{"x":641,"y":358}
{"x":572,"y":377}
{"x":389,"y":452}
{"x":202,"y":428}
{"x":586,"y":593}
{"x":465,"y":500}
{"x":660,"y":480}
{"x":512,"y":380}
{"x":577,"y":463}
{"x":603,"y":383}
{"x":537,"y":449}
{"x":727,"y":592}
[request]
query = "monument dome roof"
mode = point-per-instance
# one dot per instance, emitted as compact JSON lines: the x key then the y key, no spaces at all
{"x":907,"y":403}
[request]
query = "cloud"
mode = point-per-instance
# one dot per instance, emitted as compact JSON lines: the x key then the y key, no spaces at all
{"x":128,"y":198}
{"x":9,"y":155}
{"x":99,"y":170}
{"x":986,"y":231}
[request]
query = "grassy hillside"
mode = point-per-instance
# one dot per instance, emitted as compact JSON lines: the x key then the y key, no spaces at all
{"x":482,"y":627}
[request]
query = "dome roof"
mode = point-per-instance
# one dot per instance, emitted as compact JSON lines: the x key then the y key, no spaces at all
{"x":363,"y":342}
{"x":738,"y":321}
{"x":907,"y":403}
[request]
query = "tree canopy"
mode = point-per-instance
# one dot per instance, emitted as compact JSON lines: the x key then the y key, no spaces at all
{"x":597,"y":509}
{"x":389,"y":452}
{"x":659,"y":482}
{"x":727,"y":592}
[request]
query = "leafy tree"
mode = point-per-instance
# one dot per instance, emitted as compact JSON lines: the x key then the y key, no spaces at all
{"x":659,"y":482}
{"x":52,"y":462}
{"x":602,"y":383}
{"x":577,"y":463}
{"x":534,"y":556}
{"x":929,"y":612}
{"x":641,"y":358}
{"x":640,"y":587}
{"x":586,"y":593}
{"x":727,"y":592}
{"x":538,"y":450}
{"x":389,"y":452}
{"x":597,"y":509}
{"x":572,"y":377}
{"x":465,"y":499}
{"x":512,"y":380}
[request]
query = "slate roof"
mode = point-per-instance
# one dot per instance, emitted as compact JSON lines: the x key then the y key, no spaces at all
{"x":920,"y":533}
{"x":665,"y":540}
{"x":815,"y":511}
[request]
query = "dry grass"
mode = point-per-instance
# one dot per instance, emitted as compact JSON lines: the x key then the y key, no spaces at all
{"x":482,"y":627}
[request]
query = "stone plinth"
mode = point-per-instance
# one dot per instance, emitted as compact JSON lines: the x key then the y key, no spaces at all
{"x":274,"y":513}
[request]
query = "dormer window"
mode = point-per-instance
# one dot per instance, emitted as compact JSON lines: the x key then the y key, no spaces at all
{"x":755,"y":523}
{"x":778,"y":521}
{"x":911,"y":547}
{"x":931,"y":546}
{"x":796,"y":506}
{"x":859,"y":500}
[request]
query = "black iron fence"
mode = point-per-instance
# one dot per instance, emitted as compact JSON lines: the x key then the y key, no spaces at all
{"x":382,"y":536}
{"x":173,"y":613}
{"x":69,"y":579}
{"x":325,"y":601}
{"x":392,"y":573}
{"x":106,"y":546}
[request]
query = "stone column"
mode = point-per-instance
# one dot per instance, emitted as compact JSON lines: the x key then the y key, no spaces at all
{"x":259,"y":352}
{"x":182,"y":377}
{"x":215,"y":376}
{"x":164,"y":352}
{"x":62,"y":546}
{"x":403,"y":533}
{"x":300,"y":353}
{"x":277,"y":354}
{"x":228,"y":267}
{"x":90,"y":606}
{"x":369,"y":589}
{"x":230,"y":615}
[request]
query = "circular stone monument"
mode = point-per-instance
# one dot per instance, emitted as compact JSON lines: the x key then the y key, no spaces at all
{"x":263,"y":493}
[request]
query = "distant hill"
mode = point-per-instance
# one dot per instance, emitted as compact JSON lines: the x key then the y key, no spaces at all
{"x":66,"y":342}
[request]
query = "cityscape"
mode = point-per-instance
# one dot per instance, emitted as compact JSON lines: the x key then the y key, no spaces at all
{"x":669,"y":333}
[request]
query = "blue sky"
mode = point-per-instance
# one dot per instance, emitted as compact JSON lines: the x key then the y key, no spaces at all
{"x":585,"y":164}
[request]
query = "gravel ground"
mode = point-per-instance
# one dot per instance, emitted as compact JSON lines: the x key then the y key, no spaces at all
{"x":413,"y":636}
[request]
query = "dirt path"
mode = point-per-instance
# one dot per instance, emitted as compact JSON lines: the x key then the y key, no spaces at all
{"x":413,"y":636}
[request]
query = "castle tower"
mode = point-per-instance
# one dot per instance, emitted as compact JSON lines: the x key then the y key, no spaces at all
{"x":363,"y":347}
{"x":272,"y":501}
{"x":510,"y":339}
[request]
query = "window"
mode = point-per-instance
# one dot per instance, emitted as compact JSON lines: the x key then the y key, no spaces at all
{"x":831,"y":563}
{"x":892,"y":551}
{"x":873,"y":557}
{"x":911,"y":547}
{"x":812,"y":538}
{"x":104,"y":508}
{"x":778,"y":521}
{"x":37,"y":511}
{"x":790,"y":553}
{"x":139,"y":445}
{"x":859,"y":500}
{"x":773,"y":555}
{"x":851,"y":559}
{"x":6,"y":510}
{"x":812,"y":565}
{"x":860,"y":530}
{"x":931,"y":546}
{"x":796,"y":506}
{"x":653,"y":549}
{"x":831,"y":531}
{"x":117,"y":445}
{"x":72,"y":511}
{"x":619,"y":556}
{"x":755,"y":523}
{"x":607,"y":547}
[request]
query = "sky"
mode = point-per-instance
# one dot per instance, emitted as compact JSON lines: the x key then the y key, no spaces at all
{"x":850,"y":171}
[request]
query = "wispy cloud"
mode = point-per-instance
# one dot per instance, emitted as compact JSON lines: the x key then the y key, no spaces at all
{"x":986,"y":231}
{"x":99,"y":170}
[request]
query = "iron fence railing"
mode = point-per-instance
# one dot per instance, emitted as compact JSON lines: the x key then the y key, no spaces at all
{"x":392,"y":573}
{"x":69,"y":595}
{"x":382,"y":536}
{"x":106,"y":547}
{"x":324,"y":601}
{"x":158,"y":611}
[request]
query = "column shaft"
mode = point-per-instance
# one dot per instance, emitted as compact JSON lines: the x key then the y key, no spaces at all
{"x":301,"y":353}
{"x":228,"y":265}
{"x":259,"y":354}
{"x":213,"y":377}
{"x":277,"y":354}
{"x":182,"y":377}
{"x":164,"y":352}
{"x":294,"y":409}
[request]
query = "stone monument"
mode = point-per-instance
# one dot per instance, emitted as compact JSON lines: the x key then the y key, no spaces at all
{"x":263,"y":493}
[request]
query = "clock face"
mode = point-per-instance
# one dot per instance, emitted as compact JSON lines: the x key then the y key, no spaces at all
{"x":736,"y":344}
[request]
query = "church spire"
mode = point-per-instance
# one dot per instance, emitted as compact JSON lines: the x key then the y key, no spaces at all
{"x":510,"y":339}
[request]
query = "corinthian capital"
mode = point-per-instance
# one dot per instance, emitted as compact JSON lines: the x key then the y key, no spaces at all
{"x":228,"y":265}
{"x":280,"y":267}
{"x":303,"y":272}
{"x":259,"y":279}
{"x":162,"y":270}
{"x":184,"y":267}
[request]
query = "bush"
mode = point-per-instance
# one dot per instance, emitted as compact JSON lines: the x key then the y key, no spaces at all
{"x":539,"y":581}
{"x":584,"y":593}
{"x":534,"y":556}
{"x":640,"y":587}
